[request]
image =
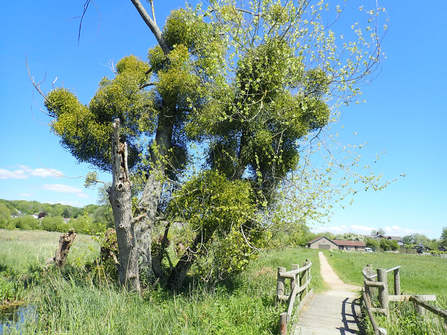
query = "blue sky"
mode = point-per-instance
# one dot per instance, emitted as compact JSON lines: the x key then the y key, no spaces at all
{"x":405,"y":113}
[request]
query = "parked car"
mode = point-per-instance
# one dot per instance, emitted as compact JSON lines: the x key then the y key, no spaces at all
{"x":368,"y":250}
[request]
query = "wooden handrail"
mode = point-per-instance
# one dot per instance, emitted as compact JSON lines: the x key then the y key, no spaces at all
{"x":377,"y":330}
{"x":385,"y":297}
{"x":293,"y":273}
{"x":441,"y":312}
{"x":373,"y":276}
{"x":295,"y":292}
{"x":297,"y":275}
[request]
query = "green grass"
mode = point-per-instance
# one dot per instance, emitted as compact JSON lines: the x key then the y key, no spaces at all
{"x":418,"y":275}
{"x":21,"y":250}
{"x":74,"y":301}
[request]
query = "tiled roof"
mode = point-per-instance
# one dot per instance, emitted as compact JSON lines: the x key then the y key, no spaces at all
{"x":350,"y":243}
{"x":340,"y":242}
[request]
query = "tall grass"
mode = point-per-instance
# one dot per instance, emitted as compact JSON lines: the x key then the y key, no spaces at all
{"x":418,"y":275}
{"x":76,"y":301}
{"x":21,"y":250}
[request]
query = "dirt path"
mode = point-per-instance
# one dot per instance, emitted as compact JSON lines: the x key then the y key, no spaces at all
{"x":336,"y":311}
{"x":331,"y":278}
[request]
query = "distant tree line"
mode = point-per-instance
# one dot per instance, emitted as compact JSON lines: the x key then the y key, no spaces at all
{"x":33,"y":215}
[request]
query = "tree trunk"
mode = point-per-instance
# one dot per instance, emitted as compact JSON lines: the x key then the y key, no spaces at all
{"x":148,"y":204}
{"x":121,"y":201}
{"x":65,"y":243}
{"x":178,"y":274}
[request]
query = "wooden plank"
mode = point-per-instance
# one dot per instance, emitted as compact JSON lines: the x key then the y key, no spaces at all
{"x":283,"y":323}
{"x":441,"y":312}
{"x":369,"y":310}
{"x":292,"y":273}
{"x":366,"y":275}
{"x":383,"y":291}
{"x":407,"y":297}
{"x":395,"y":268}
{"x":280,"y":284}
{"x":374,"y":284}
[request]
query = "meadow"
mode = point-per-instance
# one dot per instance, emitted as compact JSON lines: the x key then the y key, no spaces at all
{"x":77,"y":301}
{"x":418,"y":275}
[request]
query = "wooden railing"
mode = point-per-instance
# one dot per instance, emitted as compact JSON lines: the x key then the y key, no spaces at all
{"x":379,"y":281}
{"x":300,"y":278}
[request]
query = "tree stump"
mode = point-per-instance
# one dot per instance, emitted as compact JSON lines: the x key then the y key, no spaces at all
{"x":65,"y":243}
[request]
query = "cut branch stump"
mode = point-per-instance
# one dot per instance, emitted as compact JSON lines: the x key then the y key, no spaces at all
{"x":65,"y":243}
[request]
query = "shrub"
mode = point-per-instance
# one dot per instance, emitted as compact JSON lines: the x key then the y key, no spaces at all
{"x":24,"y":223}
{"x":54,"y":223}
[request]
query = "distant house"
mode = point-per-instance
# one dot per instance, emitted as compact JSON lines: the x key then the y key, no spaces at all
{"x":351,"y":245}
{"x":399,"y":240}
{"x":322,"y":242}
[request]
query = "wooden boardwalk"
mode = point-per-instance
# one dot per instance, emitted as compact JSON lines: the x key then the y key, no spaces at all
{"x":336,"y":311}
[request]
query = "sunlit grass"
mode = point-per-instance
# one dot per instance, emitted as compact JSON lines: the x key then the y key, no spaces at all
{"x":75,"y":301}
{"x":21,"y":249}
{"x":418,"y":275}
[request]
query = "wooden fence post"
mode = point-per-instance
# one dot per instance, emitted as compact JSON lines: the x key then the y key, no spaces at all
{"x":419,"y":309}
{"x":294,"y":280}
{"x":383,"y":291}
{"x":397,"y":281}
{"x":308,"y":275}
{"x":283,"y":323}
{"x":370,"y":290}
{"x":280,"y":285}
{"x":303,"y":279}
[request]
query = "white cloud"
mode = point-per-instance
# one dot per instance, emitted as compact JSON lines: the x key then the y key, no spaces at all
{"x":45,"y":173}
{"x":62,"y":188}
{"x":396,"y":230}
{"x":82,"y":195}
{"x":25,"y":194}
{"x":25,"y":172}
{"x":16,"y":174}
{"x":70,"y":203}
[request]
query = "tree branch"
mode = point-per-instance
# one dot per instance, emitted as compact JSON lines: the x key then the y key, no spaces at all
{"x":152,"y":26}
{"x":86,"y":4}
{"x":146,"y":85}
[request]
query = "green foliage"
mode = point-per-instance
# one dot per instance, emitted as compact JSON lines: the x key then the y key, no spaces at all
{"x":210,"y":202}
{"x":388,"y":244}
{"x":350,"y":237}
{"x":251,"y":90}
{"x":25,"y":223}
{"x":371,"y":242}
{"x":379,"y":231}
{"x":416,"y":239}
{"x":5,"y":215}
{"x":220,"y":214}
{"x":104,"y":268}
{"x":73,"y":301}
{"x":443,"y":239}
{"x":92,"y":219}
{"x":404,"y":319}
{"x":83,"y":225}
{"x":85,"y":130}
{"x":55,"y":223}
